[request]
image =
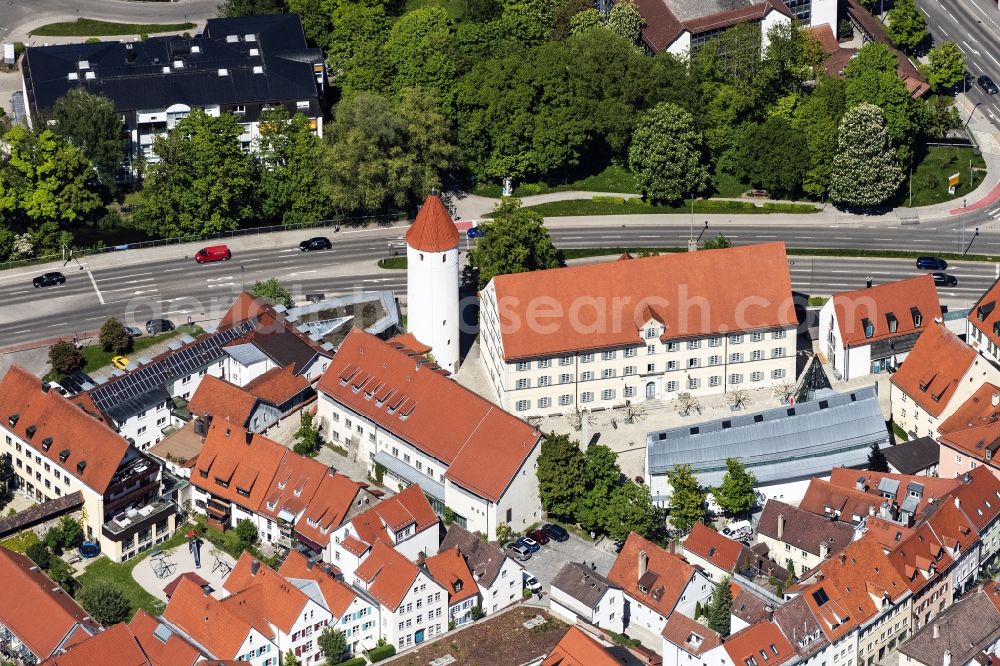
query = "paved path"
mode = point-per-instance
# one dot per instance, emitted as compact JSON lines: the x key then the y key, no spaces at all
{"x":181,"y":561}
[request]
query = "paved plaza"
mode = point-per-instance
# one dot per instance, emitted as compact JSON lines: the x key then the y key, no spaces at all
{"x":156,"y":572}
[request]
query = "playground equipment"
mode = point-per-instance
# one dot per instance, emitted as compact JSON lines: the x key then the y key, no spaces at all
{"x":162,"y":567}
{"x":89,"y":549}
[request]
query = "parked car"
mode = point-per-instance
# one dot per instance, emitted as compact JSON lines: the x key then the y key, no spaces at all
{"x":133,"y":331}
{"x":213,"y":253}
{"x":555,"y":532}
{"x":119,"y":362}
{"x":49,"y":279}
{"x":530,"y":582}
{"x":986,"y":83}
{"x":740,"y":529}
{"x":520,"y":552}
{"x":540,"y":536}
{"x":945,"y":280}
{"x":475,"y":232}
{"x":317,"y":243}
{"x":529,"y":543}
{"x":154,"y":326}
{"x":75,"y":382}
{"x":931,"y":264}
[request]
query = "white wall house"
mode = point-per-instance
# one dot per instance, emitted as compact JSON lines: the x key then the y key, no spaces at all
{"x":579,"y":592}
{"x":499,"y":577}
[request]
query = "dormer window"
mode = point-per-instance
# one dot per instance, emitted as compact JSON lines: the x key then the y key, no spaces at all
{"x":63,"y":455}
{"x":890,"y":318}
{"x":80,"y":466}
{"x":984,"y":310}
{"x":12,"y":420}
{"x":47,"y":443}
{"x":918,"y":318}
{"x":996,"y":328}
{"x":868,"y":327}
{"x":30,"y":431}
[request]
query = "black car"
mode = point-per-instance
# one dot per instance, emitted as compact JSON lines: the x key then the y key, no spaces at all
{"x":154,"y":326}
{"x":931,"y":264}
{"x":555,"y":532}
{"x":317,"y":243}
{"x":986,"y":83}
{"x":49,"y":279}
{"x":945,"y":280}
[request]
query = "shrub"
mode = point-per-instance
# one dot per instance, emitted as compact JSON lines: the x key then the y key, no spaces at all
{"x":92,"y":40}
{"x":818,"y":300}
{"x":113,"y":337}
{"x":356,"y":661}
{"x":65,"y":358}
{"x":526,"y":593}
{"x":790,"y":207}
{"x":607,"y":199}
{"x":720,"y":204}
{"x":19,"y":48}
{"x":39,"y":554}
{"x":105,"y":603}
{"x":381,"y":652}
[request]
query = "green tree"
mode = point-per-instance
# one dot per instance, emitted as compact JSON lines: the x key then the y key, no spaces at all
{"x":625,"y":21}
{"x":307,"y":437}
{"x":290,"y":659}
{"x":814,"y":120}
{"x":736,"y":495}
{"x":865,"y":170}
{"x":601,"y":478}
{"x":872,"y":79}
{"x":65,"y":358}
{"x":70,"y":532}
{"x":332,"y":644}
{"x":357,"y":33}
{"x":39,"y":554}
{"x":105,"y":602}
{"x":504,"y":533}
{"x":561,"y":476}
{"x":907,"y":27}
{"x":293,"y":189}
{"x":420,"y":52}
{"x":203,"y":183}
{"x":876,"y":460}
{"x":666,"y":155}
{"x":246,"y":533}
{"x":585,"y":20}
{"x":90,"y":123}
{"x":114,"y":337}
{"x":938,"y":116}
{"x":272,"y":291}
{"x":61,"y":574}
{"x":946,"y":66}
{"x":515,"y":241}
{"x":718,"y":243}
{"x":773,"y":156}
{"x":237,"y":8}
{"x":720,"y":607}
{"x":630,"y":509}
{"x":687,"y":499}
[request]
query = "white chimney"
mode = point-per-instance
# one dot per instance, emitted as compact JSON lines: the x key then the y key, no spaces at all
{"x":643,"y":563}
{"x":781,"y":526}
{"x":824,"y":550}
{"x":937,"y":631}
{"x":996,"y":399}
{"x":958,"y":503}
{"x":947,"y":658}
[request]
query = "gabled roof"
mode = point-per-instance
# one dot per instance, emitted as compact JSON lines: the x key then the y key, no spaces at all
{"x":246,"y":306}
{"x":278,"y":385}
{"x":799,"y":625}
{"x":978,"y":494}
{"x":899,"y":487}
{"x":433,"y":413}
{"x":237,"y":465}
{"x":978,"y":410}
{"x":846,"y":504}
{"x":904,"y":303}
{"x":921,"y":559}
{"x":952,"y":528}
{"x":408,"y":342}
{"x":388,"y":574}
{"x":282,"y":602}
{"x":433,"y":229}
{"x":27,"y":596}
{"x":690,"y":636}
{"x":293,"y":487}
{"x":803,"y":529}
{"x":720,"y":279}
{"x":576,"y":648}
{"x":934,"y":367}
{"x":162,"y":645}
{"x":408,"y":507}
{"x":759,"y":644}
{"x":749,"y":607}
{"x":963,"y":631}
{"x":337,"y":595}
{"x":204,"y":618}
{"x":169,"y":588}
{"x":664,"y":581}
{"x":914,"y":456}
{"x":451,"y":572}
{"x":713,"y":547}
{"x":116,"y":645}
{"x":484,"y":558}
{"x":985,"y":316}
{"x":223,"y":401}
{"x":583,"y":584}
{"x":329,"y":508}
{"x":93,"y":451}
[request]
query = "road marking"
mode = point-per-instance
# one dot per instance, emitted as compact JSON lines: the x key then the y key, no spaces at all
{"x":172,"y":270}
{"x":26,"y":330}
{"x":224,"y":284}
{"x":15,"y":293}
{"x":96,"y":318}
{"x":803,"y":237}
{"x":62,"y":323}
{"x":883,"y":239}
{"x":300,"y":273}
{"x":765,"y":236}
{"x":119,"y":277}
{"x":968,"y":46}
{"x":100,"y":296}
{"x":219,"y":279}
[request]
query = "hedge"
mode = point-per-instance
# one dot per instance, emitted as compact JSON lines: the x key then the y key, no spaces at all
{"x":356,"y":661}
{"x":724,"y":204}
{"x":607,"y":199}
{"x":790,"y":207}
{"x":381,"y":652}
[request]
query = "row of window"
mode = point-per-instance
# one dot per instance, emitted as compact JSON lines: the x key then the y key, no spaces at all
{"x":431,"y":614}
{"x":407,"y":640}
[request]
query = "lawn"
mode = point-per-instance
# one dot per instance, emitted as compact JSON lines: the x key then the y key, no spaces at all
{"x":608,"y":206}
{"x":121,"y":575}
{"x":84,"y":27}
{"x":930,"y":177}
{"x":612,"y":179}
{"x":20,"y":542}
{"x":95,"y":357}
{"x":727,"y":185}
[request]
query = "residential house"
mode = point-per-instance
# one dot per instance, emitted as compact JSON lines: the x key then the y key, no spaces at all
{"x":498,"y":577}
{"x":755,"y":645}
{"x":940,"y":373}
{"x":685,"y":641}
{"x":918,"y":457}
{"x":579,"y":592}
{"x":59,"y":446}
{"x":656,"y":583}
{"x":716,"y":555}
{"x":963,"y":635}
{"x":653,"y":328}
{"x":968,"y":438}
{"x":579,"y":648}
{"x":802,"y":629}
{"x":281,"y":387}
{"x":983,"y":324}
{"x":221,"y":400}
{"x":798,"y":536}
{"x":783,"y":447}
{"x":295,"y":483}
{"x":116,"y":645}
{"x":38,"y":619}
{"x":162,"y":644}
{"x":749,"y":606}
{"x":978,"y":497}
{"x":449,"y":569}
{"x":415,"y":426}
{"x":869,"y":331}
{"x":240,"y":66}
{"x":957,"y":534}
{"x":337,"y":500}
{"x":925,"y":564}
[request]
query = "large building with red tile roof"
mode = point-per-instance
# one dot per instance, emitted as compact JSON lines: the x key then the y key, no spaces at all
{"x":338,"y":499}
{"x":600,"y":335}
{"x":419,"y":427}
{"x":908,"y":495}
{"x":115,"y":646}
{"x":939,"y":375}
{"x":38,"y":619}
{"x":56,"y":448}
{"x":162,"y":645}
{"x":872,"y":330}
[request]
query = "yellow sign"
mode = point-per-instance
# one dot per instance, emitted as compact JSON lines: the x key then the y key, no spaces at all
{"x":953,"y":179}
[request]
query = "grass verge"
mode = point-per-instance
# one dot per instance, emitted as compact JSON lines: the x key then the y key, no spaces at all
{"x":392,"y":263}
{"x":930,"y":177}
{"x":612,"y":179}
{"x":617,"y":206}
{"x":85,"y":27}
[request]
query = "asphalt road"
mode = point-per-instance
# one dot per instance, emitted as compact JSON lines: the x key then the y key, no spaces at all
{"x":974,"y":25}
{"x":19,"y":14}
{"x":136,"y":289}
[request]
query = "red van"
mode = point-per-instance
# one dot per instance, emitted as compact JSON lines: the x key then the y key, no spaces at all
{"x":213,"y":253}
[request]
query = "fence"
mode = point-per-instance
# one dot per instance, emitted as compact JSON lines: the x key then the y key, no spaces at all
{"x":363,"y":221}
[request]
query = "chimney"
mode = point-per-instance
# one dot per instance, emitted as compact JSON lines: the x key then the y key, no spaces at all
{"x":781,"y":526}
{"x":824,"y":550}
{"x":937,"y":631}
{"x":249,"y":437}
{"x":947,"y":658}
{"x":310,"y":563}
{"x":996,"y":399}
{"x":843,"y":558}
{"x":254,"y":567}
{"x":770,"y":613}
{"x":421,"y":558}
{"x":45,"y":389}
{"x":958,"y":503}
{"x":860,"y":484}
{"x":871,"y":510}
{"x":199,"y":426}
{"x":643,"y":563}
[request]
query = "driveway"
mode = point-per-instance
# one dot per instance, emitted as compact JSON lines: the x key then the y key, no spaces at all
{"x":547,"y":562}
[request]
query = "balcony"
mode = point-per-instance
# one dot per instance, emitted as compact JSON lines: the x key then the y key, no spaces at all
{"x":128,"y":522}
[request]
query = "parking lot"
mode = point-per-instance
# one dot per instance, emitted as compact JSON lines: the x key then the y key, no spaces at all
{"x":545,"y":563}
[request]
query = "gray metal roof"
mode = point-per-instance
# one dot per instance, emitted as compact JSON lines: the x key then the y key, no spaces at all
{"x":431,"y":487}
{"x":887,"y":485}
{"x":245,"y":354}
{"x":781,"y":444}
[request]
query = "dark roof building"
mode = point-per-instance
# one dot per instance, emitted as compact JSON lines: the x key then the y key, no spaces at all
{"x":580,"y":582}
{"x":962,"y":633}
{"x":918,"y":456}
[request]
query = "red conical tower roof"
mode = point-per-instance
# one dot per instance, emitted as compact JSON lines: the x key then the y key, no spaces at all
{"x":433,"y":230}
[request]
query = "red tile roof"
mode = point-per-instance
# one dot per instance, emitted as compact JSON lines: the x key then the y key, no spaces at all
{"x":878,"y":303}
{"x":116,"y":645}
{"x":978,"y":494}
{"x":223,"y":401}
{"x":713,"y":547}
{"x":433,"y":229}
{"x":86,"y":439}
{"x":629,"y":293}
{"x":190,"y":575}
{"x":934,"y":367}
{"x":763,"y":642}
{"x":204,"y":618}
{"x":825,"y":499}
{"x":246,"y":306}
{"x":952,"y":527}
{"x":27,"y":595}
{"x":665,"y":579}
{"x":824,"y":35}
{"x":388,"y":573}
{"x":449,"y":569}
{"x":933,"y":487}
{"x":329,"y":508}
{"x":293,"y":487}
{"x":338,"y":596}
{"x":888,"y":533}
{"x":690,"y":636}
{"x":978,"y":410}
{"x":408,"y":342}
{"x":277,"y":385}
{"x":282,"y":602}
{"x":985,"y":316}
{"x":176,"y":651}
{"x":408,"y":507}
{"x":431,"y":412}
{"x":921,"y":559}
{"x":245,"y":462}
{"x":354,"y":546}
{"x":576,"y":648}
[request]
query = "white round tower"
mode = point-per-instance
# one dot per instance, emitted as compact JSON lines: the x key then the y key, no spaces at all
{"x":432,"y":282}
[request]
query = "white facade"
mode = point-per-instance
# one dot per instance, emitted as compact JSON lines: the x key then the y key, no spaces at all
{"x":257,"y":650}
{"x":698,"y":589}
{"x":432,"y":303}
{"x":420,"y":616}
{"x":360,"y":624}
{"x":771,"y":20}
{"x":505,"y":590}
{"x":407,"y":542}
{"x":607,"y":613}
{"x":824,"y":12}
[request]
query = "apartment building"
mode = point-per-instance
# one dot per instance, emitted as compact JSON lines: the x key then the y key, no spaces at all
{"x":968,"y":438}
{"x":413,"y":425}
{"x":451,"y":571}
{"x":338,"y":500}
{"x":978,"y":497}
{"x":59,"y":446}
{"x":870,"y":331}
{"x":219,"y":399}
{"x":240,"y":66}
{"x":498,"y":577}
{"x":599,"y":335}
